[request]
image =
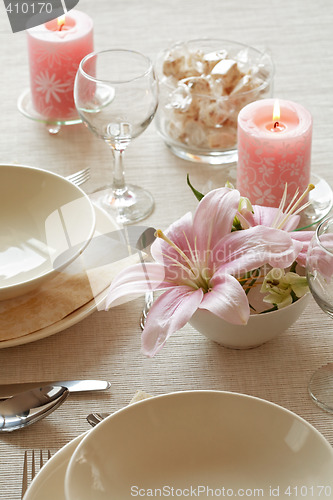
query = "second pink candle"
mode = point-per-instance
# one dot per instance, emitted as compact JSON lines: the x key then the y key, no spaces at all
{"x":273,"y":150}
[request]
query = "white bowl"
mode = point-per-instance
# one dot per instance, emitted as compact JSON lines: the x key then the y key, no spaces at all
{"x":195,"y":439}
{"x":260,"y":328}
{"x":45,"y":223}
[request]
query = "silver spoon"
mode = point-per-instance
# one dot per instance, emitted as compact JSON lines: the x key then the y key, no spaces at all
{"x":30,"y":406}
{"x":143,"y":244}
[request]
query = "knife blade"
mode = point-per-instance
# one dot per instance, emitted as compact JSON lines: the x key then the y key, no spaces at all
{"x":9,"y":390}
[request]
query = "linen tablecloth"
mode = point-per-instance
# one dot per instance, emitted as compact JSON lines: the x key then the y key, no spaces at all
{"x":106,"y":345}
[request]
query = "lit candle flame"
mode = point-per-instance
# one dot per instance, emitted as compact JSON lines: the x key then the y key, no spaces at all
{"x":276,"y":111}
{"x":61,"y":21}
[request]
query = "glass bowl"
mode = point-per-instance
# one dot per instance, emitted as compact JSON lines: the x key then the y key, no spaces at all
{"x":203,"y":84}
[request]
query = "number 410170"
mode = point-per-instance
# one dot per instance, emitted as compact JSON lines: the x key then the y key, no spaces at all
{"x":29,"y":8}
{"x":309,"y":491}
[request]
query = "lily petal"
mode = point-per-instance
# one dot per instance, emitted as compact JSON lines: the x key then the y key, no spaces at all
{"x":169,"y":313}
{"x":266,"y":216}
{"x":136,"y":280}
{"x":243,"y":251}
{"x":227,"y":300}
{"x":304,"y":237}
{"x":176,"y":232}
{"x":214,"y":216}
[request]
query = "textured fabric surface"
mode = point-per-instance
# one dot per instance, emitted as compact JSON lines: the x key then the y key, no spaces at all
{"x":106,"y":345}
{"x":56,"y":300}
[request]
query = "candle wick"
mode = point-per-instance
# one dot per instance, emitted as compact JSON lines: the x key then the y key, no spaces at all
{"x":276,"y":124}
{"x":62,"y":25}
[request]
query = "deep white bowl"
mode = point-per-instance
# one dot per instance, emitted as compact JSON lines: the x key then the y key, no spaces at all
{"x":45,"y":223}
{"x":260,"y":328}
{"x":200,"y":438}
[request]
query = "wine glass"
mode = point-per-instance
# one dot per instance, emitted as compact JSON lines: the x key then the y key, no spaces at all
{"x":320,"y":279}
{"x":115,"y":93}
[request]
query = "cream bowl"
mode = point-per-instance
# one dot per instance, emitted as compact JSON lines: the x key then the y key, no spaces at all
{"x":199,"y":439}
{"x":259,"y":329}
{"x":45,"y":223}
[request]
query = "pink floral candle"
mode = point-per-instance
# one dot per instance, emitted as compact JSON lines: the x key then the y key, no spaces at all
{"x":274,"y":148}
{"x":55,"y":51}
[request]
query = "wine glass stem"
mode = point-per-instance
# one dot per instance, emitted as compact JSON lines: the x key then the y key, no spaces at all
{"x":119,"y":185}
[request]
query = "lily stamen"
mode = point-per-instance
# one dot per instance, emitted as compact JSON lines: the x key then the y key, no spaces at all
{"x":199,"y":280}
{"x":292,"y":207}
{"x":159,"y":234}
{"x":281,"y":206}
{"x":293,"y":200}
{"x":176,"y":262}
{"x":193,"y":257}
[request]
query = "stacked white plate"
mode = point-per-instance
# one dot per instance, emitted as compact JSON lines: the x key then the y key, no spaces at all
{"x":196,"y":443}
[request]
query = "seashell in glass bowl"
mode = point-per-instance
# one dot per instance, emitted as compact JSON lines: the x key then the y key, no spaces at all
{"x":203,"y":84}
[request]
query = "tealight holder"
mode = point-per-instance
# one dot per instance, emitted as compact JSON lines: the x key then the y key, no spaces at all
{"x":53,"y":125}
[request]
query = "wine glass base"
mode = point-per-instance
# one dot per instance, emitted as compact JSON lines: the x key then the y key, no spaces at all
{"x":321,"y":387}
{"x":53,"y":125}
{"x":321,"y":202}
{"x":133,"y":205}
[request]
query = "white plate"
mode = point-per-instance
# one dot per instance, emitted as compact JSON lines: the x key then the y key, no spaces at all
{"x":49,"y":482}
{"x":195,"y":439}
{"x":104,"y":224}
{"x":44,"y":218}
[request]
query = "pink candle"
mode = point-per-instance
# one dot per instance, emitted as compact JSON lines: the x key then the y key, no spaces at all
{"x":273,"y":150}
{"x":55,"y":51}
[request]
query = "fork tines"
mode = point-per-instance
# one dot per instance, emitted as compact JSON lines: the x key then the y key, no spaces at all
{"x":79,"y":177}
{"x":32,"y":465}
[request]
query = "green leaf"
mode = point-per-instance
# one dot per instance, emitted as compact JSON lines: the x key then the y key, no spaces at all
{"x":196,"y":193}
{"x":293,"y":267}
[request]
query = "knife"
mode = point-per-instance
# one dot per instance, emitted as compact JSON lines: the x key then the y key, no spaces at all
{"x":9,"y":390}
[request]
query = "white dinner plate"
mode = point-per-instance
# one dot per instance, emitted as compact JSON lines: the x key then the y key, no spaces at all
{"x":269,"y":423}
{"x":201,"y":441}
{"x":104,"y":225}
{"x":49,"y":482}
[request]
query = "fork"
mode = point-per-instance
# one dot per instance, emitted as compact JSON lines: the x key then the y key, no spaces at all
{"x":95,"y":418}
{"x":79,"y":177}
{"x":29,"y":477}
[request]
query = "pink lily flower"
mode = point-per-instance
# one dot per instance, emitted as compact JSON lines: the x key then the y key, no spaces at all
{"x":197,"y":262}
{"x":284,"y":219}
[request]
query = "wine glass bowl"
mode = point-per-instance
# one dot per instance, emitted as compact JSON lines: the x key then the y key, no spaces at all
{"x":115,"y":93}
{"x":320,"y":280}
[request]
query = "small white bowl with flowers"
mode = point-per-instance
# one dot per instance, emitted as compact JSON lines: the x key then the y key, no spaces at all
{"x":234,"y":271}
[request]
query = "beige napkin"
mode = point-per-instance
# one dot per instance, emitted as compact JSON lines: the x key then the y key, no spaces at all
{"x":56,"y":299}
{"x":140,"y":396}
